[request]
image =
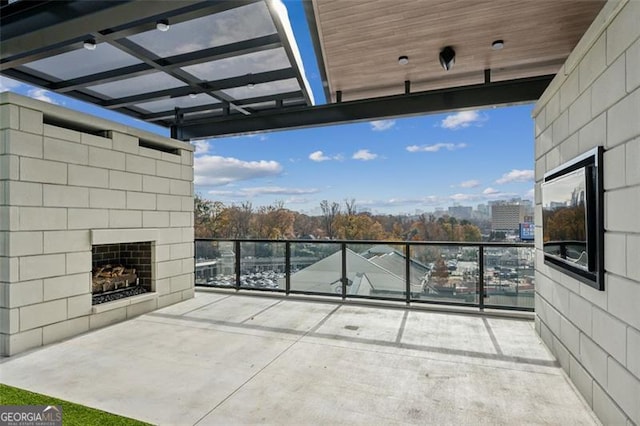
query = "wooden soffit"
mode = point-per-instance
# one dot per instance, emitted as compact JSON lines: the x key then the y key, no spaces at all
{"x":359,"y":42}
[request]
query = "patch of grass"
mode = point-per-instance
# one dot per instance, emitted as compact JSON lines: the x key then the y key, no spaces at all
{"x":72,"y":414}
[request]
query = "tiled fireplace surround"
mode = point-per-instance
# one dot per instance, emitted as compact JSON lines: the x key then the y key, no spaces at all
{"x":69,"y":182}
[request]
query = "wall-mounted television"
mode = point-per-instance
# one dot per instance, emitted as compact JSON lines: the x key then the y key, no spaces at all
{"x":573,"y":218}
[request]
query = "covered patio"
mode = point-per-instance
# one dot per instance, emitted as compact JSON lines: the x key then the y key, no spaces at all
{"x":230,"y":358}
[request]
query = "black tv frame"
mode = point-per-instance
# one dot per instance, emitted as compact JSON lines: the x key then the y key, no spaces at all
{"x":593,"y":275}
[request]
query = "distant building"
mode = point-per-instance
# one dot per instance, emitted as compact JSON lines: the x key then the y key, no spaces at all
{"x":507,"y":216}
{"x":460,"y":212}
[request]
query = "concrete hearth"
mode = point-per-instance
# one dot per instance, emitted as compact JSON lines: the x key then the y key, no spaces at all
{"x":68,"y":182}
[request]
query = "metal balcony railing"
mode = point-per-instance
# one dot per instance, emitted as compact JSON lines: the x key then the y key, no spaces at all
{"x":451,"y":273}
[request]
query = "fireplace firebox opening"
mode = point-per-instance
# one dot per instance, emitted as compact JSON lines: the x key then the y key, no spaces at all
{"x":121,"y":270}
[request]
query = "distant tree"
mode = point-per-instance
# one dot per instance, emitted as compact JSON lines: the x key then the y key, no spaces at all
{"x":497,"y":236}
{"x":273,"y":222}
{"x":304,"y":225}
{"x":350,"y":206}
{"x":239,"y":220}
{"x":359,"y":227}
{"x":329,"y":214}
{"x":471,"y":232}
{"x":208,"y":217}
{"x":440,"y":272}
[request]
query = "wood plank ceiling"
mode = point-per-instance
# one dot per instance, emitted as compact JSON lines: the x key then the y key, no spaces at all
{"x":361,"y":41}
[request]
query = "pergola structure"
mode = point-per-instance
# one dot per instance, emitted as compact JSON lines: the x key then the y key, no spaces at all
{"x":216,"y":68}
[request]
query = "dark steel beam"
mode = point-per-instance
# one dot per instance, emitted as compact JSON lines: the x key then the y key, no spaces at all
{"x":273,"y":98}
{"x":243,"y":80}
{"x":474,"y":96}
{"x":244,"y":47}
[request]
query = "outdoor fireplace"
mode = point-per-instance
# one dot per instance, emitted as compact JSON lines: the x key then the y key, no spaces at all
{"x":120,"y":270}
{"x":99,"y":225}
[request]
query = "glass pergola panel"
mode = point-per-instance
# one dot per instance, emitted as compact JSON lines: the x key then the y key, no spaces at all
{"x":264,"y":89}
{"x":137,"y":85}
{"x":169,"y":104}
{"x":85,"y":62}
{"x":267,"y":60}
{"x":230,"y":26}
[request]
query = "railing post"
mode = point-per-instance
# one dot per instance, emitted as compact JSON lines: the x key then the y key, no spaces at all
{"x":287,"y":267}
{"x":407,"y":272}
{"x":481,"y":276}
{"x":343,"y":279}
{"x":238,"y":257}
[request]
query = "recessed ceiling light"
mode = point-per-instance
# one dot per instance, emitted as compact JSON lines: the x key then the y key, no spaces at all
{"x":497,"y":45}
{"x":162,"y":25}
{"x":403,"y":60}
{"x":90,"y":44}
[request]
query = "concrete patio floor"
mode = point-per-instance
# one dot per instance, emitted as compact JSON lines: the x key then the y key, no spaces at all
{"x":236,"y":359}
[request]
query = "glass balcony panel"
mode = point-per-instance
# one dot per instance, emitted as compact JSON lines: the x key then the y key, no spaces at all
{"x":262,"y":264}
{"x":316,"y":268}
{"x":376,"y":270}
{"x":447,"y":274}
{"x":509,"y":276}
{"x":215,"y":263}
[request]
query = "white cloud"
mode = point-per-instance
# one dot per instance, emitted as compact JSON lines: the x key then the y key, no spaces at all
{"x":263,"y":190}
{"x":490,"y":191}
{"x":430,"y":200}
{"x":215,"y":170}
{"x":202,"y":147}
{"x":319,"y":156}
{"x":530,"y":194}
{"x":382,"y":125}
{"x":516,"y":175}
{"x":473,"y":183}
{"x":364,"y":155}
{"x":42,"y":95}
{"x":462,"y":119}
{"x":436,"y":147}
{"x":465,"y":197}
{"x":8,"y":84}
{"x":297,"y":200}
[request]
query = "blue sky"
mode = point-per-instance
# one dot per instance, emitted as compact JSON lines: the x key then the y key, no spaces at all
{"x":388,"y":166}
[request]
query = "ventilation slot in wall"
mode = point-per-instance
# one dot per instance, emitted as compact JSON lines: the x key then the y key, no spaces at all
{"x":158,"y":147}
{"x":75,"y":126}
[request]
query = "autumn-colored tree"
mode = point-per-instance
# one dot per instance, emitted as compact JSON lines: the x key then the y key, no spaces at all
{"x":273,"y":222}
{"x":358,"y":227}
{"x":238,"y":218}
{"x":304,"y":225}
{"x":565,"y":224}
{"x":329,"y":214}
{"x":440,"y":272}
{"x":208,"y":217}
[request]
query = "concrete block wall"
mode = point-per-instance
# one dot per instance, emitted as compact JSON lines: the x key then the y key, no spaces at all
{"x":64,"y":175}
{"x":595,"y":100}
